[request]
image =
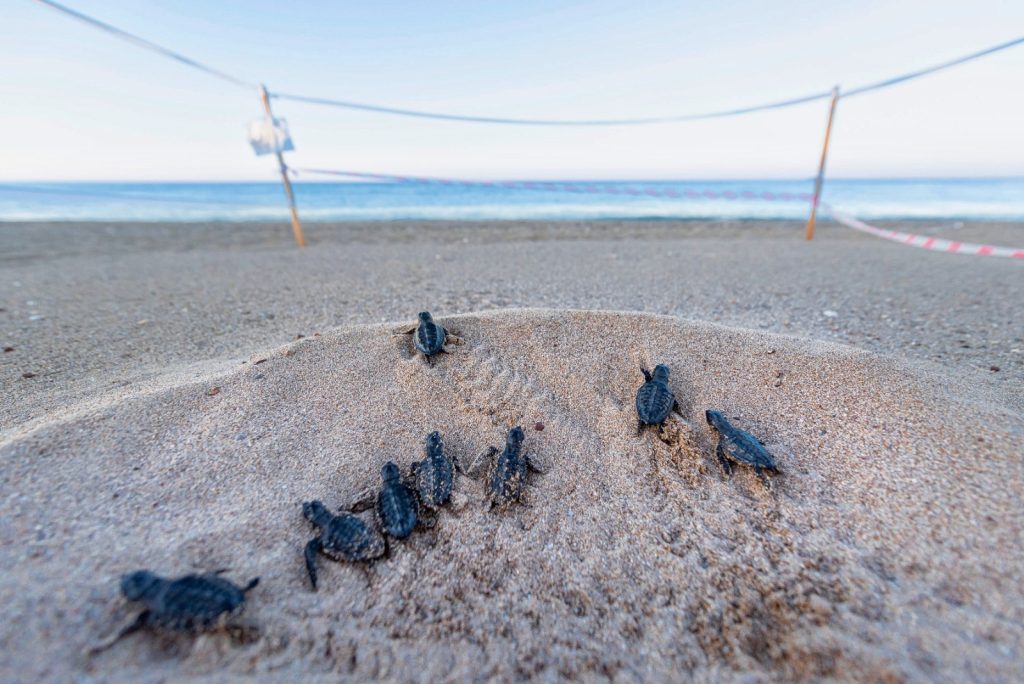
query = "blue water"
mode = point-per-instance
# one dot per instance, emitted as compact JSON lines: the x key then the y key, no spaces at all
{"x":868,"y":199}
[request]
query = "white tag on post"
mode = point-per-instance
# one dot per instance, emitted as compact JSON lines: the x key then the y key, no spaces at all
{"x":268,"y":136}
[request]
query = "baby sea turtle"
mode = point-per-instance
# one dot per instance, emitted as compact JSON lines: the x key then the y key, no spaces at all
{"x":432,"y":477}
{"x":654,"y":400}
{"x":397,"y":508}
{"x":342,"y":538}
{"x":508,"y":476}
{"x":429,"y":338}
{"x":739,"y":446}
{"x":191,"y":604}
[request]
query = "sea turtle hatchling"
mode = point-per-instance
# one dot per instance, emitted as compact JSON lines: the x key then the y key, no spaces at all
{"x":739,"y":446}
{"x":190,"y":604}
{"x":432,"y":477}
{"x":429,"y":337}
{"x":508,"y":475}
{"x":342,"y":537}
{"x":654,"y":399}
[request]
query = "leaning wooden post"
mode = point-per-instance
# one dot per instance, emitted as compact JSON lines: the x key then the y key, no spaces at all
{"x":821,"y":166}
{"x":300,"y":239}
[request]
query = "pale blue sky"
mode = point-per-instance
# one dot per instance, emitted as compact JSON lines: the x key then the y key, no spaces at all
{"x":78,"y":104}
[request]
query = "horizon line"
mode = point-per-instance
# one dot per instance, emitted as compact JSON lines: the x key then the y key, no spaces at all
{"x":693,"y":179}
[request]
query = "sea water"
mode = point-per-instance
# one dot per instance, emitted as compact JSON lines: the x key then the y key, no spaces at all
{"x":993,"y":199}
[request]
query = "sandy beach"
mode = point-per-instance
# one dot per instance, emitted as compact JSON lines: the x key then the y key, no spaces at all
{"x":174,"y":392}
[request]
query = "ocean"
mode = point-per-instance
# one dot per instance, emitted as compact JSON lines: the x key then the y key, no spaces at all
{"x":993,"y":199}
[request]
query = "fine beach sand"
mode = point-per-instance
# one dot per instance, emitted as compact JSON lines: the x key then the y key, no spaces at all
{"x":889,"y":549}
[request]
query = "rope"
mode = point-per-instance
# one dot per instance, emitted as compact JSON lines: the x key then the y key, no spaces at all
{"x":924,"y":241}
{"x":145,"y":44}
{"x":651,"y":120}
{"x":550,"y":122}
{"x":932,"y":69}
{"x":587,"y":187}
{"x":7,"y":187}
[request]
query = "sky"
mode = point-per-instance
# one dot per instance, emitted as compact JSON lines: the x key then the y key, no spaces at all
{"x":78,"y":104}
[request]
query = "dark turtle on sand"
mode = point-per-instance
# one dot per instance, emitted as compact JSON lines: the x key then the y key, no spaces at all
{"x":429,"y":338}
{"x":397,"y":508}
{"x":654,"y":399}
{"x":191,"y":604}
{"x":739,"y":446}
{"x":432,"y":477}
{"x":508,"y":476}
{"x":342,"y":537}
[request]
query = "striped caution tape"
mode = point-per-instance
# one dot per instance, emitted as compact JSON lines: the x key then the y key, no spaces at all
{"x":925,"y":241}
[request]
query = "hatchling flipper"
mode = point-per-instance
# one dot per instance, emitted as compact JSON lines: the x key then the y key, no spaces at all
{"x":450,"y":338}
{"x":133,"y":624}
{"x":532,"y":464}
{"x":314,"y":547}
{"x":759,"y":471}
{"x":457,"y":464}
{"x":723,"y":460}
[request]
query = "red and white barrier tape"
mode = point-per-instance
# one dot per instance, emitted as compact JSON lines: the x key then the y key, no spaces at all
{"x":924,"y":241}
{"x":619,"y":188}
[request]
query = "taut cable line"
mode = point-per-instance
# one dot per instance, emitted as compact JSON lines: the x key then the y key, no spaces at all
{"x":750,"y":109}
{"x":468,"y":118}
{"x":147,"y":45}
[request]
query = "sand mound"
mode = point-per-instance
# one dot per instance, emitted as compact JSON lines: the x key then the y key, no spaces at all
{"x":890,"y":547}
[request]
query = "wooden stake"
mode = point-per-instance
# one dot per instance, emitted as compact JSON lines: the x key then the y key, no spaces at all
{"x":821,"y":167}
{"x":300,"y":239}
